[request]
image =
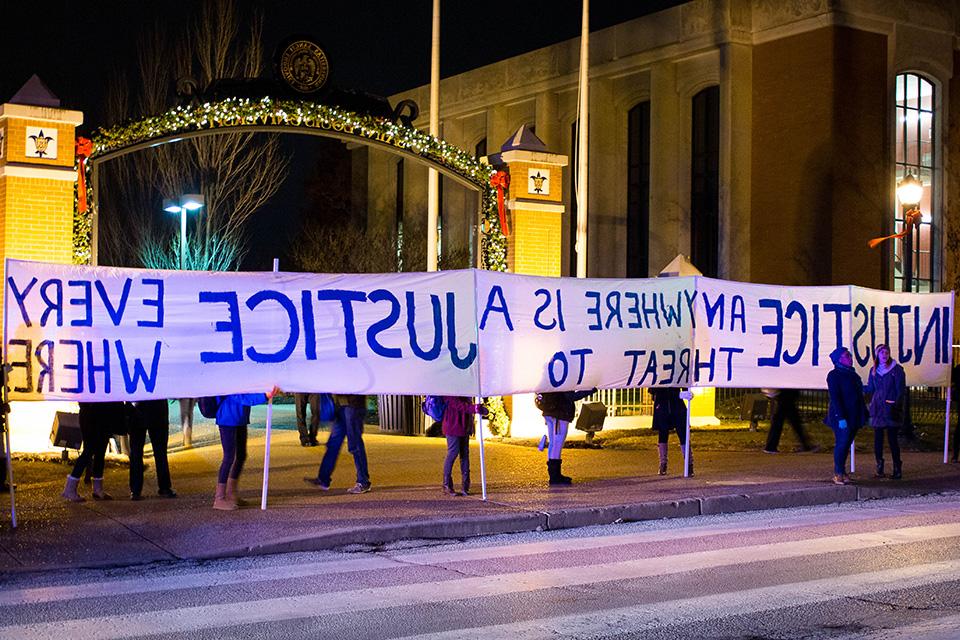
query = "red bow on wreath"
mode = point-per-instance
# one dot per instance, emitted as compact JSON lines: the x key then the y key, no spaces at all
{"x":84,"y":148}
{"x":500,"y":181}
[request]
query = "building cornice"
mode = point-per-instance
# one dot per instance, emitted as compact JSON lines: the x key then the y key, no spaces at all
{"x":43,"y":114}
{"x":20,"y":170}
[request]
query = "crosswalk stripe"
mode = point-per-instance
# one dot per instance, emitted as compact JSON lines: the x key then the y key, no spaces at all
{"x":937,"y":629}
{"x":690,"y":610}
{"x":295,"y":607}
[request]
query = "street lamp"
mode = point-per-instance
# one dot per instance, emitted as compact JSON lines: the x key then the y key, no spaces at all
{"x":909,"y":193}
{"x":187,"y":202}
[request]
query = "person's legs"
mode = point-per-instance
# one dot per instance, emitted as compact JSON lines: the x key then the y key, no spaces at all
{"x":792,"y":416}
{"x":314,"y":399}
{"x":241,"y":456}
{"x":159,"y":436}
{"x":463,"y":443}
{"x":840,"y":450}
{"x":878,"y":449}
{"x":776,"y":427}
{"x":334,"y":441}
{"x":557,"y":433}
{"x":354,"y":421}
{"x":895,"y":454}
{"x":138,"y":436}
{"x":228,"y":442}
{"x":681,"y":430}
{"x":663,"y":449}
{"x":186,"y":419}
{"x":453,"y":450}
{"x":300,"y":400}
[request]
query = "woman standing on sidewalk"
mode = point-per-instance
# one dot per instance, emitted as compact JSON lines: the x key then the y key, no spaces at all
{"x":887,"y":383}
{"x":669,"y":414}
{"x":233,"y":416}
{"x":96,"y":420}
{"x":847,"y":411}
{"x":458,"y":426}
{"x":558,"y":409}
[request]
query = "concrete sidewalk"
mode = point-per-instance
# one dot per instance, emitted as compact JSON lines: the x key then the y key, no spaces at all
{"x":406,"y":501}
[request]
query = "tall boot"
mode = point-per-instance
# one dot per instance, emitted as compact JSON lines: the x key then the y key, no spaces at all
{"x":70,"y":490}
{"x":880,"y":473}
{"x":232,"y":493}
{"x":98,"y":492}
{"x":220,"y":501}
{"x":897,"y":470}
{"x":662,"y":448}
{"x":556,"y":477}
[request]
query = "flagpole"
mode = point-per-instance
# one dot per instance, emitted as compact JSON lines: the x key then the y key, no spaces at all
{"x":266,"y":448}
{"x":433,"y":178}
{"x":583,"y":129}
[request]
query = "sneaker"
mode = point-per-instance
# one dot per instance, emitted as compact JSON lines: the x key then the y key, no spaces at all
{"x":317,"y":482}
{"x":838,"y":479}
{"x":450,"y":491}
{"x":167,"y":493}
{"x":359,"y":488}
{"x":770,"y":452}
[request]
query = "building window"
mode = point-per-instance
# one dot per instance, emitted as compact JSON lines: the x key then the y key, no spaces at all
{"x":917,"y":153}
{"x":638,"y":191}
{"x":480,"y":149}
{"x":705,"y":182}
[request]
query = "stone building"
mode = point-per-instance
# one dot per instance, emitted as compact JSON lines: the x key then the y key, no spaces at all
{"x":763,"y":138}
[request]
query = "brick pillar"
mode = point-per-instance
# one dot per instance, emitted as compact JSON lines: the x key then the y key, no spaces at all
{"x":535,"y":203}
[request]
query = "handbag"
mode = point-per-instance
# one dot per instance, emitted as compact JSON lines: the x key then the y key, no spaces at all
{"x":327,"y":408}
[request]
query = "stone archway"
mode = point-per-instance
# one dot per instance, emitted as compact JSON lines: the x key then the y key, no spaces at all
{"x":268,"y":115}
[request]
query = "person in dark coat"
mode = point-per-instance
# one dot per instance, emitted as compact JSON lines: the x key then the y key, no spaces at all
{"x":347,"y":423}
{"x":955,"y":383}
{"x":847,"y":411}
{"x":97,"y":421}
{"x":669,"y":414}
{"x":150,"y":417}
{"x":458,"y":426}
{"x":785,"y":410}
{"x":887,"y":383}
{"x":558,"y":409}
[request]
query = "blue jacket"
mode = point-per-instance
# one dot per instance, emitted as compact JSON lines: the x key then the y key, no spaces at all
{"x":234,"y":410}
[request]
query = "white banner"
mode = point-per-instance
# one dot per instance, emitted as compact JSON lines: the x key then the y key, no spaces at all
{"x":97,"y":333}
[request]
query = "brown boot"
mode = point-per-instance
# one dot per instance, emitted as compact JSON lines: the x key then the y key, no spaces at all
{"x":70,"y":490}
{"x":220,"y":501}
{"x":662,"y":449}
{"x":98,"y":492}
{"x":232,"y":493}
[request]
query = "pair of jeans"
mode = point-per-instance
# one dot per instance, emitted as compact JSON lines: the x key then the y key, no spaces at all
{"x":234,"y":443}
{"x":159,"y":435}
{"x":891,"y":438}
{"x":457,"y":446}
{"x":301,"y":400}
{"x":843,"y":439}
{"x":347,"y":423}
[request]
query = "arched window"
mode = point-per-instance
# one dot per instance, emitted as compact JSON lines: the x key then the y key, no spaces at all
{"x":705,"y":182}
{"x":638,"y":191}
{"x":918,"y":153}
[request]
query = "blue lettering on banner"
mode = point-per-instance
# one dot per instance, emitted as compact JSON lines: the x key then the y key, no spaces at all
{"x":560,"y":311}
{"x":293,"y":328}
{"x":26,"y":364}
{"x":543,"y":307}
{"x":691,"y":297}
{"x":634,"y":310}
{"x":860,"y":309}
{"x":56,"y":304}
{"x":309,"y":331}
{"x":458,"y":362}
{"x":613,"y":309}
{"x":19,"y":296}
{"x":735,"y":314}
{"x":775,"y":329}
{"x":434,"y":352}
{"x":583,"y":353}
{"x":46,"y":365}
{"x":346,"y":299}
{"x":635,"y":354}
{"x":713,"y":309}
{"x":838,"y":310}
{"x":85,"y":302}
{"x":670,"y":313}
{"x":651,"y":310}
{"x":153,"y":302}
{"x":560,"y":358}
{"x":115,"y":313}
{"x":133,"y":377}
{"x":795,"y":308}
{"x":77,"y":366}
{"x":920,"y":343}
{"x":594,"y":310}
{"x":375,"y":329}
{"x":231,"y":326}
{"x":104,"y":368}
{"x":898,"y":310}
{"x":499,"y":305}
{"x":816,"y":335}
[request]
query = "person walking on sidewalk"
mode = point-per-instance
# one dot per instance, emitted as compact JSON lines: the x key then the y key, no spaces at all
{"x":96,"y":421}
{"x":847,"y":411}
{"x":308,"y":436}
{"x":233,"y":416}
{"x":153,"y":417}
{"x":558,"y":409}
{"x":458,"y":426}
{"x":669,"y":414}
{"x":887,"y":384}
{"x":785,"y":410}
{"x":186,"y":421}
{"x":347,"y":423}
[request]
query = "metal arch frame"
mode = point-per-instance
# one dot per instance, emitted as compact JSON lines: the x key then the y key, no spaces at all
{"x":484,"y":190}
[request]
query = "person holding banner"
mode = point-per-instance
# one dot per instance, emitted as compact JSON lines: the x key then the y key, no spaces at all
{"x":669,"y":414}
{"x":150,"y":417}
{"x":458,"y":426}
{"x":96,"y":420}
{"x":847,"y":411}
{"x":887,"y":384}
{"x":233,"y":416}
{"x":558,"y":410}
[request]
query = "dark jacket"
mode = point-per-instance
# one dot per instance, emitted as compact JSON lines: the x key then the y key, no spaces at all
{"x":887,"y":398}
{"x":234,"y":410}
{"x":560,"y":404}
{"x":846,"y":398}
{"x":151,"y":413}
{"x":105,"y":417}
{"x":669,"y":411}
{"x":458,"y":416}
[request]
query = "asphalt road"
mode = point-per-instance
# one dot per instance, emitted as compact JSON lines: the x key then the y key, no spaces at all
{"x":877,"y":570}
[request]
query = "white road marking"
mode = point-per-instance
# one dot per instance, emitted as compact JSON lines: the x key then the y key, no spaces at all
{"x":310,"y":605}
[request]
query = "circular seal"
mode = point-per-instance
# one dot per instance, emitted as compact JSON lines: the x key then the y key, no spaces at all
{"x":304,"y":66}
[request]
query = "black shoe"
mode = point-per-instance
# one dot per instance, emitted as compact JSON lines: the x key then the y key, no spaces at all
{"x":167,"y":493}
{"x":897,"y":472}
{"x":880,"y":473}
{"x":305,"y":443}
{"x":314,"y":443}
{"x":317,"y":482}
{"x":136,"y":497}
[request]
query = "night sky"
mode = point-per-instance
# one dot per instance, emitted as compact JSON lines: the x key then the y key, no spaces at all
{"x":378,"y":47}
